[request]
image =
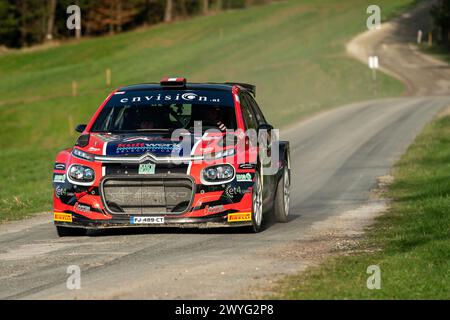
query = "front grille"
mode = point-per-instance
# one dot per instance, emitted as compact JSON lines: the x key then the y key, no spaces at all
{"x":158,"y":194}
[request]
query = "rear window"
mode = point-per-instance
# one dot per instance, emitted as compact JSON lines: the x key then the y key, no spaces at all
{"x":166,"y":110}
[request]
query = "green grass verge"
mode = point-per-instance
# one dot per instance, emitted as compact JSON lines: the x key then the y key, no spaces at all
{"x":414,"y":235}
{"x":294,"y":51}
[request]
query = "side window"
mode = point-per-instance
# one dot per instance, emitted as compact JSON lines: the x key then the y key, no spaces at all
{"x":256,"y":110}
{"x":249,"y":118}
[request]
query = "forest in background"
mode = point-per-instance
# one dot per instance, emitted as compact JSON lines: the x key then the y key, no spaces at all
{"x":25,"y":23}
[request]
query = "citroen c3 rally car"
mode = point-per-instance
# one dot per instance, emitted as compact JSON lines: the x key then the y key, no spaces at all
{"x":173,"y":154}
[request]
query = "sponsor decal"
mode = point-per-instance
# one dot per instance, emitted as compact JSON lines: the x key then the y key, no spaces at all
{"x":146,"y":220}
{"x":142,"y":147}
{"x":244,"y":177}
{"x":63,"y":217}
{"x":94,"y":149}
{"x":60,"y":191}
{"x":215,"y":209}
{"x":153,"y":97}
{"x":82,"y":207}
{"x":146,"y":168}
{"x":239,"y":217}
{"x":188,"y":96}
{"x":60,"y":166}
{"x":144,"y":138}
{"x":247,"y":166}
{"x":163,"y":195}
{"x":107,"y":137}
{"x":234,"y":191}
{"x":175,"y":195}
{"x":59,"y":178}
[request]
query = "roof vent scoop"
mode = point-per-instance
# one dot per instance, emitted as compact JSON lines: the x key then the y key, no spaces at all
{"x":173,"y":82}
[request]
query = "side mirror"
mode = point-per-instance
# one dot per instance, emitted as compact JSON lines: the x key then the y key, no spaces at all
{"x":265,"y":126}
{"x":80,"y":128}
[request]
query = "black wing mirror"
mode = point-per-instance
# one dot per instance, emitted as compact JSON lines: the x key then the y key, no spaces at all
{"x":265,"y":126}
{"x":80,"y":128}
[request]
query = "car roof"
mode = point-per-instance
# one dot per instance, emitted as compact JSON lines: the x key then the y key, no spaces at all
{"x":153,"y":86}
{"x":189,"y":86}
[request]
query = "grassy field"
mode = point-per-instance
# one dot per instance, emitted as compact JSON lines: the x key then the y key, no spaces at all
{"x":294,"y":51}
{"x":413,"y":235}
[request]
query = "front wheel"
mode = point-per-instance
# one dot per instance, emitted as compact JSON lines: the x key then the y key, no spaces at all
{"x":281,"y":205}
{"x":70,"y":232}
{"x":257,"y":206}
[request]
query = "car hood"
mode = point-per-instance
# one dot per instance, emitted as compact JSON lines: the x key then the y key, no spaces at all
{"x":157,"y":144}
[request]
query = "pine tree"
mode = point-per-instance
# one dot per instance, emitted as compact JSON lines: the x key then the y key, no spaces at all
{"x":9,"y":24}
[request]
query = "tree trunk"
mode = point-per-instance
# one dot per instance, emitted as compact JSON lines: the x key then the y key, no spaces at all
{"x":219,"y":5}
{"x":168,"y":12}
{"x":78,"y":31}
{"x":183,"y":8}
{"x":78,"y":34}
{"x":119,"y":16}
{"x":22,"y":22}
{"x":444,"y":35}
{"x":51,"y":19}
{"x":148,"y":12}
{"x":110,"y":16}
{"x":205,"y":6}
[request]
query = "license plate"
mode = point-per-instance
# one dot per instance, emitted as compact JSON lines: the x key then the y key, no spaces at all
{"x":146,"y":220}
{"x":147,"y":168}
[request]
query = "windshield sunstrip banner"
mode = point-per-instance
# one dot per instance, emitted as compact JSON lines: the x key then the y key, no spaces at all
{"x":156,"y":97}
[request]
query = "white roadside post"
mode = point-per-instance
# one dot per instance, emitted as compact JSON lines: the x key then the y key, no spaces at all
{"x":373,"y":22}
{"x":419,"y":37}
{"x":374,"y":65}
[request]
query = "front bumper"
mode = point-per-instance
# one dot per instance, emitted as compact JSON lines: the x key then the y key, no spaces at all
{"x":204,"y":206}
{"x":219,"y":220}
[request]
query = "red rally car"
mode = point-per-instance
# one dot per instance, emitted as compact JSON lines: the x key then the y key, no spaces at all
{"x":173,"y":154}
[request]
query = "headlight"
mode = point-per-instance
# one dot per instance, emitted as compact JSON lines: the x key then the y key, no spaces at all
{"x":82,"y":174}
{"x":220,"y":154}
{"x":218,"y":173}
{"x":82,"y":155}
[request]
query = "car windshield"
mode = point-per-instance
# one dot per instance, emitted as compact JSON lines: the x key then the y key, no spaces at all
{"x":166,"y":111}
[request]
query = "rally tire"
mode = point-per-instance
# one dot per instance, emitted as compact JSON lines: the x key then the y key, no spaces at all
{"x":257,"y":204}
{"x":70,"y":232}
{"x":282,"y":197}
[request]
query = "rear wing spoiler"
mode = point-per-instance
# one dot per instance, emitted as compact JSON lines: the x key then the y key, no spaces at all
{"x":249,"y":87}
